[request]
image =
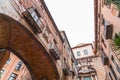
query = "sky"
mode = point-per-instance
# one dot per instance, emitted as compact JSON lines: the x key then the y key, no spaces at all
{"x":75,"y":17}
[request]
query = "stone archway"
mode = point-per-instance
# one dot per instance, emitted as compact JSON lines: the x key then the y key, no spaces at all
{"x":16,"y":38}
{"x":4,"y":55}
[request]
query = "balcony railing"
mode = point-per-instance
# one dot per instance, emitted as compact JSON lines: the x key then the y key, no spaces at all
{"x":108,"y":30}
{"x":118,"y":68}
{"x":115,"y":50}
{"x":54,"y":51}
{"x":86,"y":71}
{"x":85,"y":65}
{"x":65,"y":69}
{"x":73,"y":72}
{"x":32,"y":17}
{"x":113,"y":72}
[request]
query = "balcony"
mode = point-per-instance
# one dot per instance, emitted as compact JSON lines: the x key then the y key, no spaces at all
{"x":73,"y":72}
{"x":115,"y":64}
{"x":113,"y":72}
{"x":108,"y":30}
{"x":116,"y":51}
{"x":54,"y":51}
{"x":32,"y":17}
{"x":104,"y":59}
{"x":91,"y":71}
{"x":86,"y":71}
{"x":65,"y":69}
{"x":115,"y":45}
{"x":118,"y":68}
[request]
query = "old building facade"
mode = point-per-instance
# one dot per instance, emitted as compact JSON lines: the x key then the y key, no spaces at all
{"x":28,"y":30}
{"x":90,"y":66}
{"x":14,"y":68}
{"x":107,"y":28}
{"x":69,"y":58}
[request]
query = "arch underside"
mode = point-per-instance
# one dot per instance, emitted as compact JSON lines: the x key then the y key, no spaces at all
{"x":16,"y":38}
{"x":4,"y":55}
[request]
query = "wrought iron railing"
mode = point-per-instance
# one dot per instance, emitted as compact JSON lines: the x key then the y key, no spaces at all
{"x":54,"y":51}
{"x":66,"y":69}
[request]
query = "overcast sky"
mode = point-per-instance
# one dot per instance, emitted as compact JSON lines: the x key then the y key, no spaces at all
{"x":75,"y":17}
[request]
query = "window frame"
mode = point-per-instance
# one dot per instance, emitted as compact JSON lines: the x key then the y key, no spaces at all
{"x":85,"y":52}
{"x":13,"y":76}
{"x":18,"y":66}
{"x":87,"y":77}
{"x":33,"y":19}
{"x":1,"y":72}
{"x":78,"y":53}
{"x":8,"y":61}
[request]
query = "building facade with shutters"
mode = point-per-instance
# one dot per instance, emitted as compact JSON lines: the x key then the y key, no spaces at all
{"x":28,"y":30}
{"x":90,"y":66}
{"x":107,"y":31}
{"x":14,"y":69}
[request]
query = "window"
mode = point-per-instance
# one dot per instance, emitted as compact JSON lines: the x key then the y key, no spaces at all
{"x":108,"y":30}
{"x":54,"y":41}
{"x":87,"y":78}
{"x":13,"y":76}
{"x":1,"y":72}
{"x":103,"y":43}
{"x":78,"y":53}
{"x":112,"y":58}
{"x":46,"y":33}
{"x":18,"y":66}
{"x":35,"y":15}
{"x":85,"y":52}
{"x":8,"y":61}
{"x":32,"y":17}
{"x":42,"y":7}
